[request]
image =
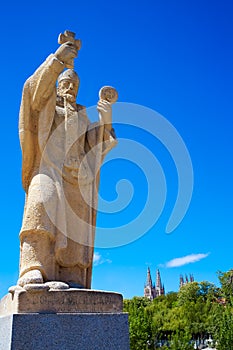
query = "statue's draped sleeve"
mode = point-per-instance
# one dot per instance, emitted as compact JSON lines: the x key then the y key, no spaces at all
{"x":37,"y":112}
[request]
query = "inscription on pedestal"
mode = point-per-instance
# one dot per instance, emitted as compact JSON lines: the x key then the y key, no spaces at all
{"x":67,"y":301}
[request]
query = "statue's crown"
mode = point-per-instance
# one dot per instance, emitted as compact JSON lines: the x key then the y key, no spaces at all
{"x":69,"y":74}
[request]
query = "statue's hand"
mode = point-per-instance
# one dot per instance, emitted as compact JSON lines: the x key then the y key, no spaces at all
{"x":105,"y":113}
{"x":66,"y":52}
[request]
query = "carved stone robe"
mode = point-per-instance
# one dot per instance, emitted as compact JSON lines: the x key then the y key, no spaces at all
{"x":62,"y":153}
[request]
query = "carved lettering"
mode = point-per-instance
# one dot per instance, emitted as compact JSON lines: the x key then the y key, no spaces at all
{"x":73,"y":302}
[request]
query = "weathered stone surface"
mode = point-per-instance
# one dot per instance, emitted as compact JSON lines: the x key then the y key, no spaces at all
{"x":35,"y":288}
{"x":62,"y":152}
{"x":108,"y":93}
{"x":69,"y":36}
{"x":55,"y":285}
{"x":64,"y":332}
{"x":61,"y":301}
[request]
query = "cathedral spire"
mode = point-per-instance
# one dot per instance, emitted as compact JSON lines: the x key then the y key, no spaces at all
{"x":151,"y":290}
{"x":149,"y":279}
{"x":158,"y":280}
{"x":191,"y":278}
{"x":159,"y":288}
{"x":181,"y":281}
{"x":184,"y":280}
{"x":163,"y":290}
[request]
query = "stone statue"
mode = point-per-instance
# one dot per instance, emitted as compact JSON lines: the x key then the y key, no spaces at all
{"x":62,"y":153}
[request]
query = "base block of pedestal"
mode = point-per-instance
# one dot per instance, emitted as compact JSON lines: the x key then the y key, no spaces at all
{"x":80,"y":331}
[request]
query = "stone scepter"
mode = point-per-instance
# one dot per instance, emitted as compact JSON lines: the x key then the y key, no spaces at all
{"x":69,"y":37}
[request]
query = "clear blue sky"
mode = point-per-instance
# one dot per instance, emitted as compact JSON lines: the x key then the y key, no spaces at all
{"x":174,"y":57}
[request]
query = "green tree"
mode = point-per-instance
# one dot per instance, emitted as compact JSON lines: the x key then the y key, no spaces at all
{"x":195,"y":312}
{"x":226,"y":280}
{"x":225,"y":334}
{"x":181,"y":341}
{"x":140,"y":323}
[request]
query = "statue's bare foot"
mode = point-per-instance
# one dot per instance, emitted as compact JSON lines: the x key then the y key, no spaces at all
{"x":31,"y":277}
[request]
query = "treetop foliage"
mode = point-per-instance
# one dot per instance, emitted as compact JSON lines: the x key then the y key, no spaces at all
{"x":179,"y":319}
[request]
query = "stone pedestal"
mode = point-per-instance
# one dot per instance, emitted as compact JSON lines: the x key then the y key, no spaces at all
{"x":50,"y":300}
{"x":64,"y":332}
{"x":71,"y":319}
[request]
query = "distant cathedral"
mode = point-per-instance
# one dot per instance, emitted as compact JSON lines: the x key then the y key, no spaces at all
{"x":185,"y":280}
{"x":151,"y":290}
